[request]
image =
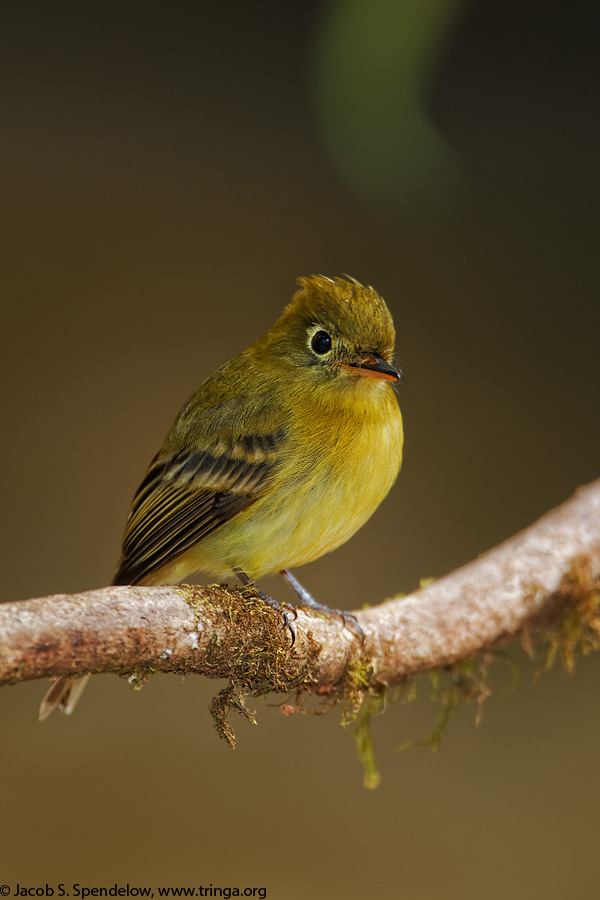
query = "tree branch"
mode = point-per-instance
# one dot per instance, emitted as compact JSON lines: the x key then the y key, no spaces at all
{"x":530,"y":582}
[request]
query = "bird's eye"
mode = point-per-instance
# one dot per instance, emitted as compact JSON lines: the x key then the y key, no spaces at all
{"x":321,"y":343}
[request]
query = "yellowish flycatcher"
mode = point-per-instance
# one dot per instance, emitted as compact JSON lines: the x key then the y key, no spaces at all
{"x":279,"y":457}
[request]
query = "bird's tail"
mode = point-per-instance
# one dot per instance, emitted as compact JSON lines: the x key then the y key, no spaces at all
{"x":63,"y":693}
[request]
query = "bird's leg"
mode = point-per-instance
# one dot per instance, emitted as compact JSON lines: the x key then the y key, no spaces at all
{"x":308,"y":600}
{"x":246,"y":580}
{"x":305,"y":598}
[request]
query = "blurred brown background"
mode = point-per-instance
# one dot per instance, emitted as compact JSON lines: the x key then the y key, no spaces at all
{"x":167,"y":171}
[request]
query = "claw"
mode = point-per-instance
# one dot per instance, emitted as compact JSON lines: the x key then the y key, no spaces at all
{"x":348,"y":620}
{"x":286,"y":624}
{"x":274,"y":605}
{"x":351,"y":623}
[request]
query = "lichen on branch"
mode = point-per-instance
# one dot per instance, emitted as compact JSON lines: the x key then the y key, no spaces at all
{"x":542,"y":585}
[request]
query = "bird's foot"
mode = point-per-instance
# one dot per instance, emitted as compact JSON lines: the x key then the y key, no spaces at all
{"x":307,"y":600}
{"x":284,"y":610}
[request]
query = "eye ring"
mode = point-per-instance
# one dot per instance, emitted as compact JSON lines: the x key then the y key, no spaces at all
{"x":321,"y":343}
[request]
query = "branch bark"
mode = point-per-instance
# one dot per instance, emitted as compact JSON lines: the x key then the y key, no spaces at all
{"x":527,"y":582}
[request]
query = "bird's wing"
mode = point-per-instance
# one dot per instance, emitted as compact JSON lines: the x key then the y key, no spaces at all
{"x":187,"y":496}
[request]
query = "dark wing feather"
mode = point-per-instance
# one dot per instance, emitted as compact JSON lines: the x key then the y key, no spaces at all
{"x":185,"y":498}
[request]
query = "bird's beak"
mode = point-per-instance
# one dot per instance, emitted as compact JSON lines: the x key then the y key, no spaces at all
{"x":374,"y":367}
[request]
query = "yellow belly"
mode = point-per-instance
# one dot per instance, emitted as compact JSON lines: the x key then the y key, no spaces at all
{"x":331,"y":479}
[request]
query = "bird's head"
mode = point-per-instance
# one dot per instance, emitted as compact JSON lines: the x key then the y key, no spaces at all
{"x":337,"y":330}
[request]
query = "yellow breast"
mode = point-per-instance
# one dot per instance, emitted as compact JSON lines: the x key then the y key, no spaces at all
{"x":339,"y":464}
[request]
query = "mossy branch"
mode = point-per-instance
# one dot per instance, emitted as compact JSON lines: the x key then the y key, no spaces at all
{"x":544,"y":579}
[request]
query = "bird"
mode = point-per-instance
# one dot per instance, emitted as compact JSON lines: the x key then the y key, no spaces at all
{"x":279,"y":457}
